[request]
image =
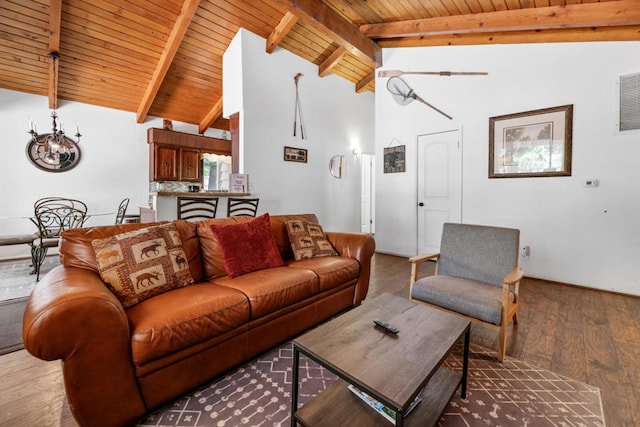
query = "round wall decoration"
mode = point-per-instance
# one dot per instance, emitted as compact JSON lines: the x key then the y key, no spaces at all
{"x":53,"y":154}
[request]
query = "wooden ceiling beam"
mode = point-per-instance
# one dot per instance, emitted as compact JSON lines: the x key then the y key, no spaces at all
{"x":280,"y":31}
{"x":362,"y":84}
{"x":212,"y":115}
{"x":327,"y":21}
{"x":55,"y":17}
{"x":571,"y":35}
{"x":331,"y":61}
{"x":187,"y":13}
{"x":586,"y":15}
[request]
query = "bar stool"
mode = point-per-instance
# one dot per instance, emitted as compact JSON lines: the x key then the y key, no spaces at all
{"x":242,"y":207}
{"x":196,"y":208}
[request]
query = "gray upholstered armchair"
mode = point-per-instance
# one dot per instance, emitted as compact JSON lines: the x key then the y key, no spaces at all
{"x":477,"y":276}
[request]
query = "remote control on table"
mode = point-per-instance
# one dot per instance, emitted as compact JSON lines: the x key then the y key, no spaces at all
{"x":386,"y":326}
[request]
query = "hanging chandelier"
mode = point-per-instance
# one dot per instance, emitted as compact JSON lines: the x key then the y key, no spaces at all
{"x":53,"y":152}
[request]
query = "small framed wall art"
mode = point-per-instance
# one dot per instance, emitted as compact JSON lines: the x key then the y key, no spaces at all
{"x":394,"y":159}
{"x":292,"y":154}
{"x":531,"y":144}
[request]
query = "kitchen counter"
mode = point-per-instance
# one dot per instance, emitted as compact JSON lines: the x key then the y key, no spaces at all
{"x":165,"y":203}
{"x":199,"y":194}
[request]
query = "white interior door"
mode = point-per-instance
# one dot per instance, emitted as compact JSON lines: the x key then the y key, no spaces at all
{"x":439,"y":186}
{"x":367,"y":199}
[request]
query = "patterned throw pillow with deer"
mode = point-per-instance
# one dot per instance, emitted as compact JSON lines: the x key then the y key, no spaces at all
{"x":142,"y":263}
{"x":308,"y":240}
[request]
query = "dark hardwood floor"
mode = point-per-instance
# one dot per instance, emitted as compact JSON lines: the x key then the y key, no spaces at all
{"x":584,"y":334}
{"x":588,"y":335}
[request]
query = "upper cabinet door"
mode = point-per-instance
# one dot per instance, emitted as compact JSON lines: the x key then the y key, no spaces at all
{"x":189,"y":165}
{"x":166,"y":163}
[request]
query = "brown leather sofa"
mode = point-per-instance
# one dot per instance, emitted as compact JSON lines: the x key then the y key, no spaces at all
{"x":119,"y":363}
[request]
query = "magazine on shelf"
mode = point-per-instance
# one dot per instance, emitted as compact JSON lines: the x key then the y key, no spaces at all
{"x":386,"y":412}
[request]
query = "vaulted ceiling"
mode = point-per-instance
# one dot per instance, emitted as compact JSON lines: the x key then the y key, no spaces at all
{"x":163,"y":58}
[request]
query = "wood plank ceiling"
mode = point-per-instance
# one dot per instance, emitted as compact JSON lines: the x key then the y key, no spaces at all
{"x":163,"y":58}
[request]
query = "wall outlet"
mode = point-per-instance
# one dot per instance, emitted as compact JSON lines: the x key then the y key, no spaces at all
{"x":525,"y":251}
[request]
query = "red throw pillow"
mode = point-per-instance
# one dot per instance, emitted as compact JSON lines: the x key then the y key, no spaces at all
{"x":247,"y":246}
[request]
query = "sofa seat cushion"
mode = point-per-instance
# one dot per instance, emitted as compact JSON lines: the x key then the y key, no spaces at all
{"x":332,"y":271}
{"x":475,"y":299}
{"x":273,"y":289}
{"x":183,"y":317}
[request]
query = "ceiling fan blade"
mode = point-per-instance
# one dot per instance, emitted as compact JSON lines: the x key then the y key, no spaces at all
{"x":396,"y":73}
{"x":429,"y":105}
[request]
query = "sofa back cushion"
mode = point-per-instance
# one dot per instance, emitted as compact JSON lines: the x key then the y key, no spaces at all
{"x":76,"y":249}
{"x":213,"y":259}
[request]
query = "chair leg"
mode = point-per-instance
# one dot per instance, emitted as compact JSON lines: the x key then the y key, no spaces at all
{"x":515,"y":317}
{"x":37,"y":256}
{"x":502,"y":342}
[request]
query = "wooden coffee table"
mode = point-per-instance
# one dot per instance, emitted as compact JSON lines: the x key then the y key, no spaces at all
{"x":393,"y":369}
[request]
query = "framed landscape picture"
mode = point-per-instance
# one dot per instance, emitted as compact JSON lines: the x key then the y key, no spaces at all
{"x":531,"y":144}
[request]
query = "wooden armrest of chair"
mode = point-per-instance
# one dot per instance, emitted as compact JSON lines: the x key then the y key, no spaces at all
{"x":415,"y":260}
{"x":514,"y":276}
{"x":421,"y":258}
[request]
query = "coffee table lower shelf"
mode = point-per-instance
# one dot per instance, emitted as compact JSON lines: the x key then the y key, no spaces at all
{"x":337,"y":405}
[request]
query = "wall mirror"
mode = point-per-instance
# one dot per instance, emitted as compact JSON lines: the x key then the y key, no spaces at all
{"x":335,"y":166}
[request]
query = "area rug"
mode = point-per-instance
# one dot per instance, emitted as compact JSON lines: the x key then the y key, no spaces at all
{"x":11,"y":312}
{"x":510,"y":394}
{"x":16,"y":280}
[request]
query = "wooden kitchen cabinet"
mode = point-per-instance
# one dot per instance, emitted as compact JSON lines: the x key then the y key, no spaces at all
{"x":189,"y":165}
{"x":175,"y":156}
{"x":175,"y":164}
{"x":165,"y":163}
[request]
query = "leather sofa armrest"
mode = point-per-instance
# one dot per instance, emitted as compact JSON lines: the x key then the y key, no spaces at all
{"x":361,"y":247}
{"x":71,"y":315}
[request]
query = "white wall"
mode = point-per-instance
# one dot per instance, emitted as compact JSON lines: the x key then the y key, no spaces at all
{"x":577,"y":235}
{"x":335,"y":119}
{"x":114,"y":162}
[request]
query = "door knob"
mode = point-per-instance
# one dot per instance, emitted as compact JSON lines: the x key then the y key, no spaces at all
{"x":420,"y":204}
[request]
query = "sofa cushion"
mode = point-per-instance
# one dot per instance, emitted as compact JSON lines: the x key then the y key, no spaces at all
{"x":142,"y":263}
{"x":308,"y":240}
{"x":271,"y":290}
{"x":332,"y":271}
{"x":212,"y":252}
{"x":475,"y":299}
{"x":76,"y":249}
{"x":247,"y":246}
{"x":184,"y":317}
{"x":280,"y":234}
{"x":213,"y":262}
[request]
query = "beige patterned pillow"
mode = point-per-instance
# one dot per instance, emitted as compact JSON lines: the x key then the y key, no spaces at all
{"x":142,"y":263}
{"x":308,"y":240}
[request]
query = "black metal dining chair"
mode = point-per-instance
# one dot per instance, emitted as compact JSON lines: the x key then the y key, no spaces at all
{"x":52,"y":216}
{"x":122,"y":215}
